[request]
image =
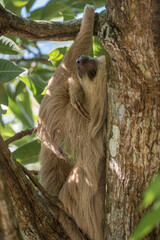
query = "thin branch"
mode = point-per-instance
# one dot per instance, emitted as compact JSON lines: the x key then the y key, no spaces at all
{"x":30,"y":131}
{"x":54,"y":204}
{"x":26,"y":200}
{"x":20,"y":135}
{"x":34,"y":172}
{"x":40,"y":30}
{"x":53,"y":200}
{"x":34,"y":59}
{"x":26,"y":171}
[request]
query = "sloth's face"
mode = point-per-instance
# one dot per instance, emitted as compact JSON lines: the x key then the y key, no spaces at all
{"x":91,"y":73}
{"x":87,"y":66}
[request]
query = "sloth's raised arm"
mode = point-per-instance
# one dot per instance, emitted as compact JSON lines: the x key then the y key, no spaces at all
{"x":83,"y":41}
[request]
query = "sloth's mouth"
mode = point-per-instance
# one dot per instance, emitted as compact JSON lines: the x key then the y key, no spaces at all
{"x":87,"y":66}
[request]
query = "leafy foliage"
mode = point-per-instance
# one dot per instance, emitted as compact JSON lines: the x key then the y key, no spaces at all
{"x":25,"y":68}
{"x":8,"y":70}
{"x":7,"y":46}
{"x":28,"y":152}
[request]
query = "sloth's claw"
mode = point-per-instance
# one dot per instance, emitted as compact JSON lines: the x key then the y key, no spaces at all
{"x":78,"y":106}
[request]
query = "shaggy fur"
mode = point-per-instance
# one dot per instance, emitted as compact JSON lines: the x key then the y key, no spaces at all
{"x":81,"y":188}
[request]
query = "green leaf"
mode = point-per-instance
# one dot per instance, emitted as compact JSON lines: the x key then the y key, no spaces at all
{"x":3,"y":96}
{"x":147,"y":224}
{"x":57,"y":55}
{"x":98,"y":49}
{"x":24,"y":102}
{"x":36,"y":84}
{"x":30,"y":4}
{"x":21,"y":113}
{"x":20,"y":104}
{"x":6,"y":131}
{"x":28,"y":153}
{"x":51,"y":10}
{"x":8,"y":70}
{"x":19,"y":3}
{"x":65,"y":8}
{"x":151,"y":193}
{"x":7,"y":46}
{"x":20,"y":87}
{"x":43,"y":73}
{"x":9,"y":5}
{"x":2,"y":2}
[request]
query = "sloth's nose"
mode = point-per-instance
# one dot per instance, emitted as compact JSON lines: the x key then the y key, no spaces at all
{"x":82,"y":59}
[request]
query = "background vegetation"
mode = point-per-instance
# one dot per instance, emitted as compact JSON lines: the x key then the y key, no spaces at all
{"x":25,"y":68}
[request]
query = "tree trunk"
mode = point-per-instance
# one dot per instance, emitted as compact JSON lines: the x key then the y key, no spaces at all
{"x":133,"y":82}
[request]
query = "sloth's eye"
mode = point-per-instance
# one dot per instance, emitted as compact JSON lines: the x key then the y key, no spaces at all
{"x":92,"y":74}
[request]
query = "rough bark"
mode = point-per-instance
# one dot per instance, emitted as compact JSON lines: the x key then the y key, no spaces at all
{"x":133,"y":50}
{"x":9,"y":229}
{"x":40,"y":29}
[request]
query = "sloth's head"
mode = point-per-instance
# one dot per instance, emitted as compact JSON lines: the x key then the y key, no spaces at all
{"x":87,"y":66}
{"x":90,"y":71}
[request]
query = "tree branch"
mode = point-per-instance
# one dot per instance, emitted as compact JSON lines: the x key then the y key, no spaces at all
{"x":20,"y":135}
{"x":40,"y":30}
{"x":26,"y":197}
{"x":34,"y":59}
{"x":32,"y":213}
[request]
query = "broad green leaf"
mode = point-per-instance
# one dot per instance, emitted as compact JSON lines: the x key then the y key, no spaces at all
{"x":43,"y":73}
{"x":28,"y":153}
{"x":19,"y":3}
{"x":7,"y":46}
{"x":24,"y":102}
{"x":152,"y":192}
{"x":6,"y":131}
{"x":37,"y":14}
{"x":3,"y":96}
{"x":147,"y":224}
{"x":20,"y":87}
{"x":57,"y":55}
{"x":20,"y":112}
{"x":36,"y":85}
{"x":20,"y":104}
{"x":9,"y":5}
{"x":8,"y":70}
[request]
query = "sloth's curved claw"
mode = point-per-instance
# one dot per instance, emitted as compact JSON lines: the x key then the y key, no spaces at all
{"x":78,"y":106}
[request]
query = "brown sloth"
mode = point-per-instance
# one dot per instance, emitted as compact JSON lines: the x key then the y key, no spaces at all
{"x":73,"y":114}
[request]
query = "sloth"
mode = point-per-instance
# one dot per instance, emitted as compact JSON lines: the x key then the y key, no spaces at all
{"x":73,"y":116}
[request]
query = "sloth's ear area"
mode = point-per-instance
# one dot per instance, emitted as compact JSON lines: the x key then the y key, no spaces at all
{"x":87,"y":66}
